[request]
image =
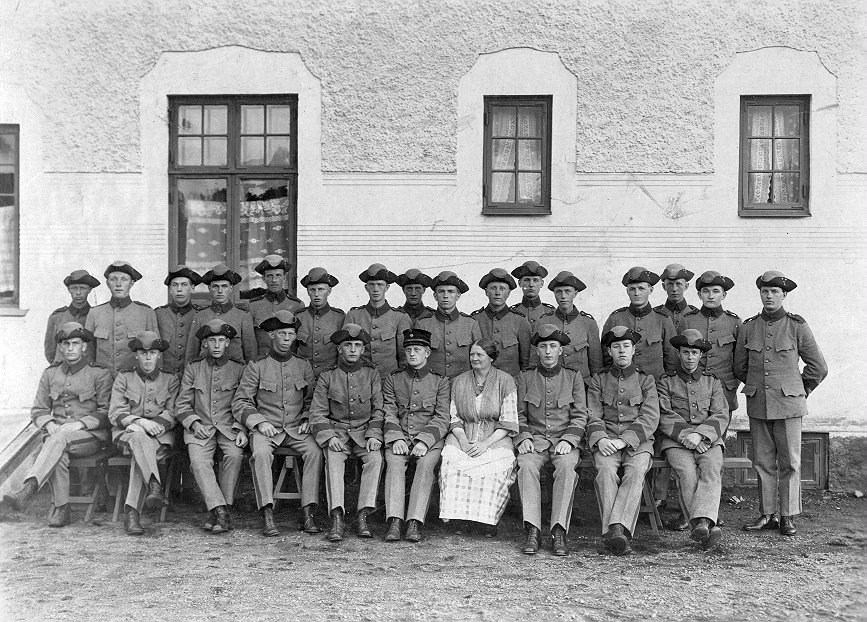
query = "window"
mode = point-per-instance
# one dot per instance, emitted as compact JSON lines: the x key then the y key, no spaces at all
{"x":233,"y":172}
{"x":775,"y":174}
{"x":9,"y":176}
{"x":517,"y":156}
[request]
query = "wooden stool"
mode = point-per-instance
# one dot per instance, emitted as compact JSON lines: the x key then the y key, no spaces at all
{"x":290,"y":463}
{"x":120,"y":490}
{"x":91,"y":491}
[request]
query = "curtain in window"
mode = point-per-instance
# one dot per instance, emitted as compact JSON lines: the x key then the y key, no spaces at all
{"x":780,"y":153}
{"x":266,"y":226}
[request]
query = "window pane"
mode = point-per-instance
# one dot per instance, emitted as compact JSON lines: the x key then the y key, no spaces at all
{"x":530,"y":155}
{"x":503,"y":154}
{"x":201,"y":223}
{"x":503,"y":188}
{"x":759,"y":188}
{"x":279,"y":119}
{"x":7,"y":148}
{"x":530,"y":188}
{"x":215,"y":120}
{"x":6,"y":201}
{"x":760,"y":154}
{"x":252,"y":119}
{"x":759,"y":120}
{"x":8,"y":258}
{"x":787,"y":187}
{"x":267,"y":225}
{"x":504,"y":120}
{"x":190,"y":151}
{"x":189,"y":120}
{"x":530,"y":121}
{"x":7,"y":180}
{"x":215,"y":151}
{"x":252,"y":151}
{"x":278,"y":151}
{"x":787,"y":155}
{"x":787,"y":120}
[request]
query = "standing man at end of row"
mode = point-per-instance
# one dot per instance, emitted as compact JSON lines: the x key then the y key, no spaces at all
{"x":79,"y":285}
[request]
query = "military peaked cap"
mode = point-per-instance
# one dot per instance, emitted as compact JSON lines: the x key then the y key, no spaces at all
{"x":416,"y":337}
{"x":215,"y":328}
{"x":447,"y":277}
{"x":317,"y":276}
{"x":183,"y":271}
{"x":414,"y":276}
{"x":350,"y":332}
{"x":498,"y":275}
{"x":773,"y":278}
{"x":378,"y":272}
{"x":280,"y":319}
{"x":71,"y":330}
{"x":549,"y":332}
{"x":691,"y":338}
{"x":529,"y":268}
{"x":712,"y":277}
{"x":122,"y":266}
{"x":566,"y":279}
{"x":221,"y":272}
{"x":81,"y":277}
{"x":639,"y":274}
{"x":148,"y":340}
{"x":273,"y":262}
{"x":620,"y":333}
{"x":674,"y":271}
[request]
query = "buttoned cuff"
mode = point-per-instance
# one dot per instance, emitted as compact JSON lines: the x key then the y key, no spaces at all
{"x":188,"y":420}
{"x":90,"y":422}
{"x":426,"y":438}
{"x":572,"y":439}
{"x":595,"y":438}
{"x":167,"y":424}
{"x":253,"y":420}
{"x":395,"y":435}
{"x":42,"y":420}
{"x":631,"y":439}
{"x":374,"y":433}
{"x":521,"y":437}
{"x":323,"y":436}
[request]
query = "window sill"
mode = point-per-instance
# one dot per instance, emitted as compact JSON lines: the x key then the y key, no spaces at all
{"x":512,"y":211}
{"x":773,"y":213}
{"x":12,"y":312}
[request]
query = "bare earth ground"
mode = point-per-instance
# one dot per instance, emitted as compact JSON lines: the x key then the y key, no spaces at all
{"x":176,"y":572}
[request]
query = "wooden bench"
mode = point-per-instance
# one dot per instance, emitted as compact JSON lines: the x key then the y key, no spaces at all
{"x":290,"y":463}
{"x":92,"y":488}
{"x":123,"y":484}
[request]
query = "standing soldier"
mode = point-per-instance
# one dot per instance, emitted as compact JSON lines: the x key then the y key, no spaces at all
{"x":221,"y":282}
{"x":318,"y":322}
{"x":71,"y":410}
{"x":452,"y":332}
{"x":273,"y":269}
{"x":346,"y":417}
{"x":767,"y":354}
{"x":204,"y":409}
{"x":384,"y":324}
{"x":509,"y":330}
{"x":675,"y":281}
{"x":413,"y":282}
{"x":115,"y":322}
{"x":272,"y":402}
{"x":79,"y":285}
{"x":175,"y":320}
{"x":693,"y":419}
{"x":721,"y":327}
{"x":552,"y":413}
{"x":142,"y":413}
{"x":416,"y":407}
{"x":583,"y":353}
{"x":531,"y":278}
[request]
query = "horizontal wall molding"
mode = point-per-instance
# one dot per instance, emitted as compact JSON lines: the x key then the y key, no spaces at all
{"x":389,"y":179}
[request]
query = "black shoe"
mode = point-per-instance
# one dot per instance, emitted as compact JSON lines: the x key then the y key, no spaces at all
{"x":208,"y":525}
{"x":558,"y":545}
{"x":395,"y":526}
{"x":308,"y":520}
{"x":679,"y":523}
{"x":131,"y":524}
{"x":269,"y":526}
{"x":701,"y":530}
{"x":21,"y":498}
{"x":766,"y":521}
{"x":221,"y":520}
{"x":713,"y":538}
{"x":361,"y":527}
{"x":787,"y":526}
{"x":618,"y":540}
{"x":531,"y":545}
{"x":335,"y":534}
{"x":413,"y":531}
{"x":156,"y":498}
{"x":60,"y":516}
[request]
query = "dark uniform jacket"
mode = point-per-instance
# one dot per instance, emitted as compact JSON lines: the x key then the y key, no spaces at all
{"x":58,"y":318}
{"x":264,"y":306}
{"x":175,"y":326}
{"x":314,"y":336}
{"x":450,"y":338}
{"x":347,"y":404}
{"x":721,"y":328}
{"x":73,"y":393}
{"x":552,"y":407}
{"x":691,"y":403}
{"x":206,"y":394}
{"x":242,"y":347}
{"x":584,"y":352}
{"x":113,"y":324}
{"x":416,"y":312}
{"x":654,"y":355}
{"x":136,"y":395}
{"x":676,"y":311}
{"x":385,"y":327}
{"x":767,"y":353}
{"x":511,"y":332}
{"x":416,"y":407}
{"x":623,"y":404}
{"x":532,"y":309}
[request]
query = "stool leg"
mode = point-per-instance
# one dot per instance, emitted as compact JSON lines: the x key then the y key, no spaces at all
{"x":171,"y":473}
{"x":119,"y":494}
{"x":94,"y":494}
{"x":297,"y":471}
{"x":650,"y":504}
{"x":278,"y":487}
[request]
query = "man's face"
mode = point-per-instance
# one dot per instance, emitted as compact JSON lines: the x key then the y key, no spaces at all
{"x":712,"y":296}
{"x":221,"y":291}
{"x":414,"y":294}
{"x":217,"y":345}
{"x":318,"y":294}
{"x":73,"y":349}
{"x":148,"y":360}
{"x":350,"y":351}
{"x":689,"y":358}
{"x":376,"y":291}
{"x":549,"y":353}
{"x":531,"y":285}
{"x":79,"y":293}
{"x":119,"y":283}
{"x":675,"y":288}
{"x":181,"y":290}
{"x":274,"y":280}
{"x":772,"y":298}
{"x":417,"y":356}
{"x":565,"y":297}
{"x":447,"y":297}
{"x":621,"y":352}
{"x":639,"y":293}
{"x":282,"y":339}
{"x":497,"y":293}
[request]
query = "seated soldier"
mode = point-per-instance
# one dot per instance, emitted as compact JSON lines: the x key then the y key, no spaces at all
{"x":346,"y":417}
{"x":142,"y":413}
{"x":272,"y":401}
{"x":71,"y":409}
{"x":204,"y":408}
{"x":624,"y":412}
{"x":552,"y":413}
{"x":693,"y":418}
{"x":416,"y":407}
{"x":78,"y":284}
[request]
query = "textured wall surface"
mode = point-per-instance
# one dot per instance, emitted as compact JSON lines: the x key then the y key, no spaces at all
{"x":390,"y":68}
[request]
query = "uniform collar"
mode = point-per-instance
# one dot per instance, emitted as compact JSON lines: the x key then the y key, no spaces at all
{"x":151,"y":376}
{"x":418,"y":373}
{"x":442,"y":317}
{"x":414,"y":310}
{"x":221,"y":308}
{"x":615,"y":371}
{"x":123,"y":303}
{"x":218,"y":362}
{"x":181,"y":310}
{"x":686,"y":377}
{"x":531,"y":303}
{"x":779,"y":314}
{"x":275,"y":296}
{"x":645,"y":310}
{"x":320,"y":310}
{"x":676,"y":306}
{"x":79,"y":311}
{"x":377,"y":311}
{"x":548,"y":373}
{"x":74,"y":368}
{"x":280,"y":358}
{"x":349,"y":367}
{"x":566,"y":316}
{"x":497,"y":314}
{"x":715,"y":312}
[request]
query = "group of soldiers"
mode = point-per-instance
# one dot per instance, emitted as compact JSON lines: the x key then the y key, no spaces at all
{"x":375,"y":383}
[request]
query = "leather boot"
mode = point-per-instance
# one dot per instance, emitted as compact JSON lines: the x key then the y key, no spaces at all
{"x":269,"y":527}
{"x":60,"y":516}
{"x":618,"y":540}
{"x":221,"y":520}
{"x":156,"y":498}
{"x":531,"y":544}
{"x":21,"y":498}
{"x":395,"y":526}
{"x":361,"y":527}
{"x":413,"y":531}
{"x":335,"y":534}
{"x":308,"y":520}
{"x":679,"y":523}
{"x":131,"y":524}
{"x":701,"y":530}
{"x":787,"y":525}
{"x":559,"y":546}
{"x":766,"y":521}
{"x":713,"y":538}
{"x":208,"y":525}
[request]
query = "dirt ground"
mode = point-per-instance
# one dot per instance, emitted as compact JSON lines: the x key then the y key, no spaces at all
{"x":177,"y":572}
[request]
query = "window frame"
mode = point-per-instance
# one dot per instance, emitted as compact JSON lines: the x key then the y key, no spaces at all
{"x":777,"y":210}
{"x":13,"y":302}
{"x":495,"y":208}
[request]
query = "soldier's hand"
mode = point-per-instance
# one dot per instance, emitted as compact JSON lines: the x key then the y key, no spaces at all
{"x":152,"y":428}
{"x":266,"y":429}
{"x":399,"y":448}
{"x":134,"y":427}
{"x":334,"y":444}
{"x":241,"y":439}
{"x":526,"y":446}
{"x":373,"y":444}
{"x":606,"y":447}
{"x":304,"y":428}
{"x":692,"y":440}
{"x":73,"y":426}
{"x":200,"y":431}
{"x":51,"y":428}
{"x":419,"y":449}
{"x":563,"y":448}
{"x":702,"y":447}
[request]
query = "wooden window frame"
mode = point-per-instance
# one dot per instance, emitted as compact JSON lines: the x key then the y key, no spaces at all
{"x":12,"y":303}
{"x":493,"y":208}
{"x":800,"y":209}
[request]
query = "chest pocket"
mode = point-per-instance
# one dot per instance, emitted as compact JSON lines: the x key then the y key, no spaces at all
{"x":303,"y":336}
{"x":784,"y":343}
{"x":364,"y":395}
{"x":134,"y":322}
{"x":336,"y":393}
{"x":300,"y":385}
{"x":609,"y":396}
{"x":132,"y":395}
{"x":465,"y":334}
{"x":435,"y":341}
{"x":681,"y":406}
{"x":268,"y":384}
{"x":100,"y":333}
{"x":87,"y":394}
{"x":652,"y":338}
{"x":509,"y":341}
{"x":533,"y":397}
{"x":161,"y":397}
{"x":429,"y":401}
{"x":579,"y":342}
{"x":636,"y":400}
{"x":724,"y":341}
{"x":565,"y":397}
